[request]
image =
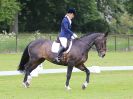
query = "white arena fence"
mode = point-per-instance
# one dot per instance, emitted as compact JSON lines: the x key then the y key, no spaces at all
{"x":93,"y":69}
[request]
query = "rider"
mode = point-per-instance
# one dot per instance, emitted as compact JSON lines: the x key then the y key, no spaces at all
{"x":66,"y":34}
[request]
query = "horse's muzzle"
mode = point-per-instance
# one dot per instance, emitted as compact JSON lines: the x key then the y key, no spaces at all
{"x":102,"y":54}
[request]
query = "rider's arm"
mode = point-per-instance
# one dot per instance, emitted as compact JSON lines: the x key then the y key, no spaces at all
{"x":65,"y":23}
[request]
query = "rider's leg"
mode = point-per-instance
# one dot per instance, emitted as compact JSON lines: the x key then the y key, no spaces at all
{"x":63,"y":41}
{"x":61,"y":50}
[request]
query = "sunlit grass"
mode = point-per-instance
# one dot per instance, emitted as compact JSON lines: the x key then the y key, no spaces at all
{"x":106,"y":85}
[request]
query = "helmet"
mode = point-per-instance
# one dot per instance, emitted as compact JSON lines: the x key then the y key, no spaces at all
{"x":71,"y":10}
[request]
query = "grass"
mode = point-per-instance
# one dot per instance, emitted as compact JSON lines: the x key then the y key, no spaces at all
{"x":11,"y":61}
{"x":106,"y":85}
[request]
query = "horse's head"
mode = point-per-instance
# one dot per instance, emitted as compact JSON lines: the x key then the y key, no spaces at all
{"x":100,"y":43}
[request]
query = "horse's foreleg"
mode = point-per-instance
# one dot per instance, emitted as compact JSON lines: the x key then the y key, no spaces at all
{"x":87,"y":78}
{"x":69,"y":72}
{"x":83,"y":68}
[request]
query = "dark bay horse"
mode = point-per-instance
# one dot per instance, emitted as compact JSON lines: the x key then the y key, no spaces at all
{"x":40,"y":50}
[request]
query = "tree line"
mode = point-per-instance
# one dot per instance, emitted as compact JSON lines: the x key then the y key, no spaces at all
{"x":46,"y":15}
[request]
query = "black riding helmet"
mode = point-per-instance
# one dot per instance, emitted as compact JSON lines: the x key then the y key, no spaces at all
{"x":72,"y":10}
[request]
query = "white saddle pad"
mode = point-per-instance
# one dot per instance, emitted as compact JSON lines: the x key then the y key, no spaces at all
{"x":56,"y":46}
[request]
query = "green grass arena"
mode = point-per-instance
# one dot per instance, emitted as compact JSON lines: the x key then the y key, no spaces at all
{"x":106,"y":85}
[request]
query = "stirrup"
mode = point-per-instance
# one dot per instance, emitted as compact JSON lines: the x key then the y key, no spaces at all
{"x":57,"y":59}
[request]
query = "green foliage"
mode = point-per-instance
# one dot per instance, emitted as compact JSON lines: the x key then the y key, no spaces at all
{"x":125,"y":25}
{"x":111,"y":10}
{"x":129,"y":6}
{"x":92,"y":15}
{"x":46,"y":15}
{"x":8,"y":9}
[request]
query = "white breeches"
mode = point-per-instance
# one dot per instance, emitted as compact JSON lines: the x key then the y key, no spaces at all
{"x":63,"y":41}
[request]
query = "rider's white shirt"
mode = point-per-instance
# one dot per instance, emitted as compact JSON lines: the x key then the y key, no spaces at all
{"x":68,"y":19}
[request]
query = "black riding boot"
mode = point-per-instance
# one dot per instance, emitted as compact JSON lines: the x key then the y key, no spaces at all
{"x":61,"y":50}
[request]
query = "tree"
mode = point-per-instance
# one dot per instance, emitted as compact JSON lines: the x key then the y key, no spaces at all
{"x":129,"y":6}
{"x":43,"y":15}
{"x":125,"y":24}
{"x":46,"y":15}
{"x":87,"y":15}
{"x":8,"y":10}
{"x":111,"y":10}
{"x":92,"y":15}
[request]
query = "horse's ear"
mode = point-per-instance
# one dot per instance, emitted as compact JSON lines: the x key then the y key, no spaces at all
{"x":106,"y":34}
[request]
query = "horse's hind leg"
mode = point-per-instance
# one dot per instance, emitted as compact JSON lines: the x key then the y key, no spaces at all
{"x":30,"y":66}
{"x":27,"y":78}
{"x":83,"y":68}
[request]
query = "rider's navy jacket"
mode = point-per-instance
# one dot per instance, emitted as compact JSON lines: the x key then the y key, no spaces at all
{"x":65,"y":29}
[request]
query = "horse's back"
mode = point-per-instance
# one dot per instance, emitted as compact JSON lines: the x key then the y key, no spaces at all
{"x":40,"y":47}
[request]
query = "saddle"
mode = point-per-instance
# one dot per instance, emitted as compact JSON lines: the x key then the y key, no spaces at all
{"x":56,"y":46}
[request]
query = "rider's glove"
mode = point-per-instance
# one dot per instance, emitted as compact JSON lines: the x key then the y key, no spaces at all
{"x":74,"y":36}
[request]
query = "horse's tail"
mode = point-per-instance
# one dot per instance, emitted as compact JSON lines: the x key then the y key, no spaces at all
{"x":24,"y":60}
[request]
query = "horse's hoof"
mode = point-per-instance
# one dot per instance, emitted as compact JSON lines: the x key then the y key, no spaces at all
{"x":26,"y":84}
{"x":67,"y":87}
{"x":83,"y":87}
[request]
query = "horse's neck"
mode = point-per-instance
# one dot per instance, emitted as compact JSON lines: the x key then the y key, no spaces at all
{"x":89,"y":39}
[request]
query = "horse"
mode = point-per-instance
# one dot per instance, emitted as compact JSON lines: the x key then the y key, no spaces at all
{"x":39,"y":50}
